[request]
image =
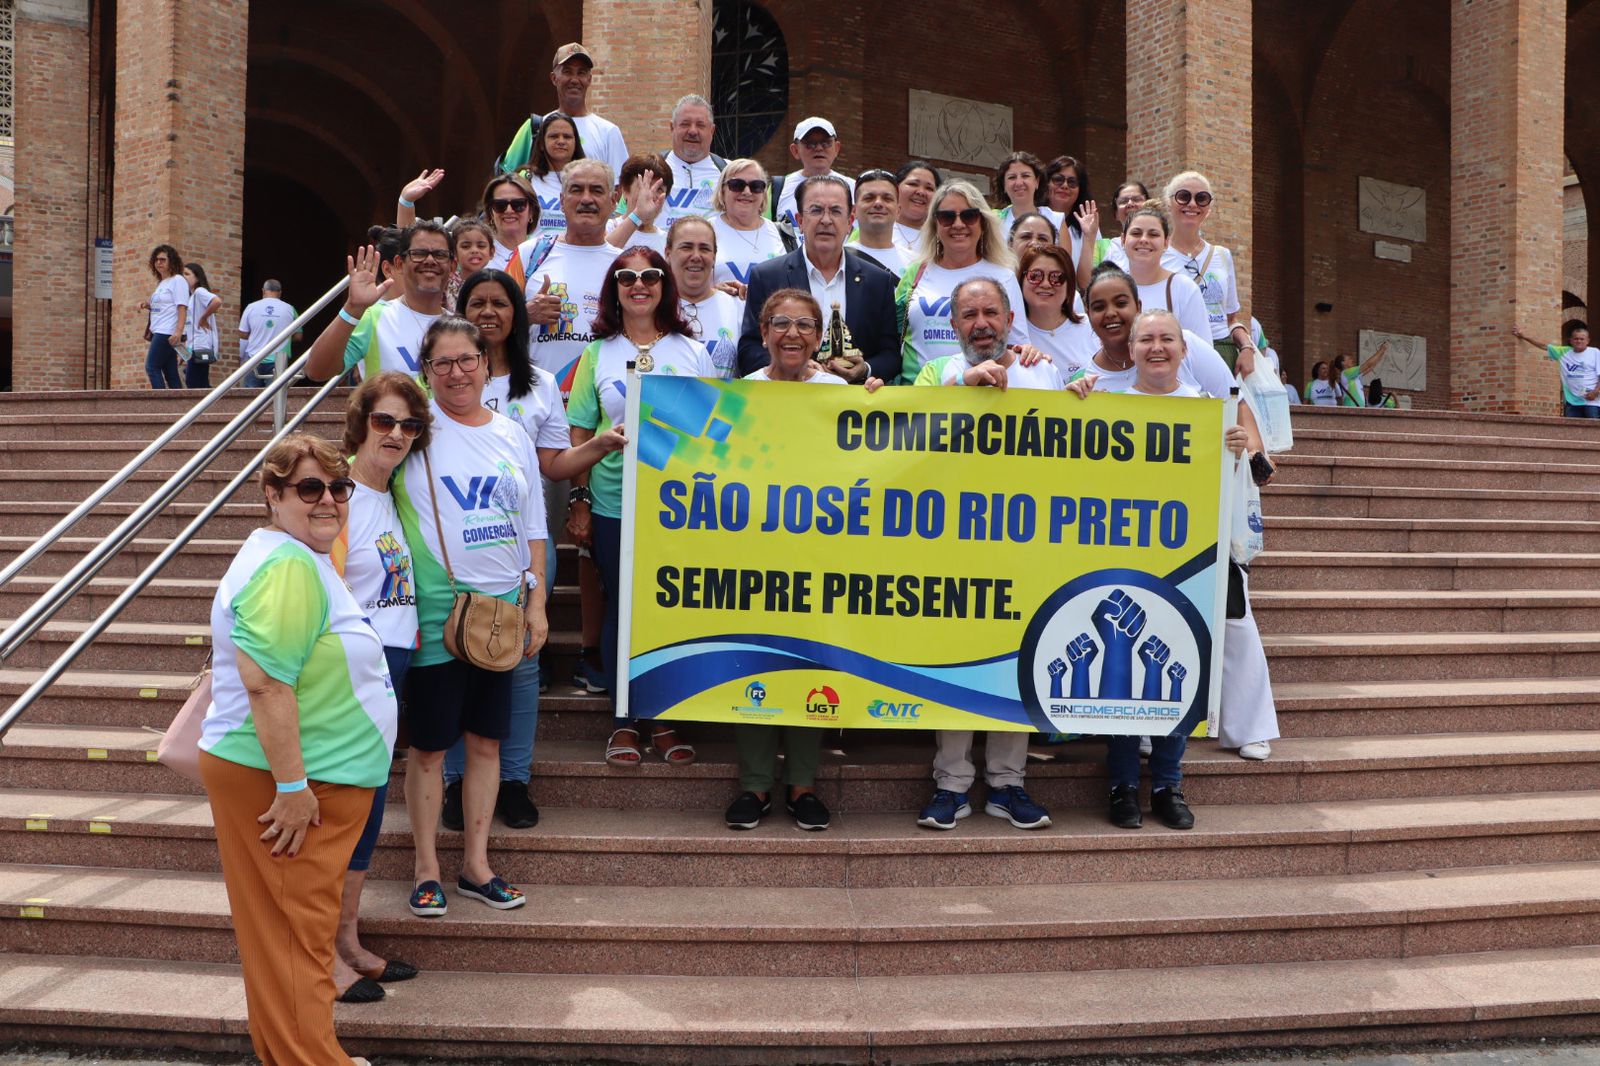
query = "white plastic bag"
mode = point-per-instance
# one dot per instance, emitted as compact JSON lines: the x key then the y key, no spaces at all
{"x":1269,"y":401}
{"x":1245,"y":541}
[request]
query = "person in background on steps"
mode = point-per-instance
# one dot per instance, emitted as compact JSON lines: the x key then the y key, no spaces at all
{"x":169,"y":308}
{"x":1349,"y":379}
{"x":1031,"y":230}
{"x":259,"y":322}
{"x":299,"y":733}
{"x":386,"y":417}
{"x":202,"y":328}
{"x":1580,"y":368}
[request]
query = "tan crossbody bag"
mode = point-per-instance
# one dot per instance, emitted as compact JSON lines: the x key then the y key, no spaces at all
{"x":481,"y":630}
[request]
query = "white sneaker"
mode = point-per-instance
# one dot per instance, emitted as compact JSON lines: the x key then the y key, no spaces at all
{"x":1258,"y":751}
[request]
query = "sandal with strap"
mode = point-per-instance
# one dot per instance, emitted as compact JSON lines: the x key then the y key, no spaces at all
{"x":674,"y":754}
{"x":623,"y":754}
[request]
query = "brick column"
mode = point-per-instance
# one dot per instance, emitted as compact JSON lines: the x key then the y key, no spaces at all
{"x":53,"y":284}
{"x":633,"y":87}
{"x":1507,"y":68}
{"x":179,"y":157}
{"x":1189,"y":101}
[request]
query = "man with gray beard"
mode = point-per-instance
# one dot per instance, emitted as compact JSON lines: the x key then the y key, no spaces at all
{"x":981,"y":314}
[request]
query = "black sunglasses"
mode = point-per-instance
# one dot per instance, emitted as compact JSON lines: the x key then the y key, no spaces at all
{"x":520,"y":204}
{"x":411,"y":427}
{"x":755,"y":185}
{"x":310,"y":489}
{"x":947,"y":217}
{"x":1184,"y":196}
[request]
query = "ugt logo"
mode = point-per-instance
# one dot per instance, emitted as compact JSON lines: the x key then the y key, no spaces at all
{"x":822,"y":702}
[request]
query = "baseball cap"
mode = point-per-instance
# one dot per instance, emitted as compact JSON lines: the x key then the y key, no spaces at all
{"x":813,"y":123}
{"x":571,"y":51}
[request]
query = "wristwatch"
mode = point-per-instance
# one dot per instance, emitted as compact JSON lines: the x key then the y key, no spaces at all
{"x":579,"y":494}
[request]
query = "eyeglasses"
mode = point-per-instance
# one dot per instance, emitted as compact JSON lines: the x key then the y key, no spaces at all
{"x":1055,"y":277}
{"x":649,"y":275}
{"x":818,"y":211}
{"x":411,"y":427}
{"x":947,"y":217}
{"x":756,"y":185}
{"x":422,"y":255}
{"x":310,"y":489}
{"x":519,"y":205}
{"x":1129,"y":201}
{"x":1184,"y":196}
{"x":806,"y":326}
{"x":467,"y":363}
{"x":1070,"y":181}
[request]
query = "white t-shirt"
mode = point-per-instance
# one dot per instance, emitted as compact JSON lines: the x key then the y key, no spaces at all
{"x":286,"y":607}
{"x":491,"y":504}
{"x":1202,"y":369}
{"x":1040,"y":375}
{"x":656,"y":239}
{"x":548,"y":188}
{"x":198,"y":339}
{"x":1190,"y":306}
{"x":785,"y":206}
{"x":1070,"y":345}
{"x":388,"y":337}
{"x":501,"y":258}
{"x":894,"y":258}
{"x":577,"y":272}
{"x":1219,"y":288}
{"x":739,"y":250}
{"x":1181,"y":390}
{"x":1323,"y":393}
{"x":929,"y":334}
{"x":908,"y":237}
{"x":692,"y":186}
{"x":821,"y":377}
{"x":1580,"y":373}
{"x":539,"y":411}
{"x":601,"y":139}
{"x":170,"y":295}
{"x":716,"y":322}
{"x":373,"y":556}
{"x":262,"y":320}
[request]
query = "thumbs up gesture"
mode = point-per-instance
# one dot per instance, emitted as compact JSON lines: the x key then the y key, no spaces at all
{"x":544,"y":306}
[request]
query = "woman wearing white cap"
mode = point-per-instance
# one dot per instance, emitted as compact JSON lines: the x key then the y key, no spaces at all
{"x":815,"y":147}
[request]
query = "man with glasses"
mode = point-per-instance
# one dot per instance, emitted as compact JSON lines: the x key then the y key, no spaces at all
{"x":838,"y":277}
{"x":381,"y":334}
{"x":877,"y":207}
{"x":815,"y":147}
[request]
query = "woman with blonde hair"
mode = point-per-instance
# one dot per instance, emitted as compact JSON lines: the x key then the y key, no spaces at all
{"x":1210,"y":266}
{"x":745,"y":236}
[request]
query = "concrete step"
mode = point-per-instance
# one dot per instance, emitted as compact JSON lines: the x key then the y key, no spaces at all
{"x":1402,"y":573}
{"x":74,"y":484}
{"x":112,"y":455}
{"x":1305,"y":533}
{"x":1379,"y":443}
{"x":1513,"y":428}
{"x":34,"y":518}
{"x":202,"y":558}
{"x":1430,"y":656}
{"x":576,"y":846}
{"x":1404,"y":708}
{"x":846,"y":932}
{"x":166,"y":403}
{"x":848,"y":1020}
{"x":1497,"y":501}
{"x":1424,"y":611}
{"x":1341,"y":469}
{"x":145,"y":426}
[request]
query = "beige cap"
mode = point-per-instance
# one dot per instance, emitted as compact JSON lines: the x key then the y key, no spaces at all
{"x":571,"y":51}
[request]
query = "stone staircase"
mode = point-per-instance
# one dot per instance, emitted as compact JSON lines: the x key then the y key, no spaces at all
{"x":1420,"y":859}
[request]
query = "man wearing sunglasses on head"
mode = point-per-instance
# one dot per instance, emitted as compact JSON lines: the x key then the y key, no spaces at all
{"x":379,"y":329}
{"x":835,"y":276}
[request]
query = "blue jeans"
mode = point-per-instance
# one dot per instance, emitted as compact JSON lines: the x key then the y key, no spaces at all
{"x":161,"y":362}
{"x":196,"y":375}
{"x":263,"y":374}
{"x":1166,"y":760}
{"x":1579,"y":410}
{"x":606,"y":547}
{"x":399,"y":659}
{"x":516,"y":750}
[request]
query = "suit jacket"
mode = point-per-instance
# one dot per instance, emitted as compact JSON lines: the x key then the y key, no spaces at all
{"x":868,"y":311}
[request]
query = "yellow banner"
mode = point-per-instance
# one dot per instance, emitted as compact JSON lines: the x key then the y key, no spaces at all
{"x":948,"y":558}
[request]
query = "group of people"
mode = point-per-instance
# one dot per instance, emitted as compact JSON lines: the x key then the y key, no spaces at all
{"x":490,"y":418}
{"x":182,"y":328}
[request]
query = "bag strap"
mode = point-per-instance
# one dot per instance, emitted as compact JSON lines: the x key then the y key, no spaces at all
{"x":1211,"y":250}
{"x":433,"y":498}
{"x":1169,"y":293}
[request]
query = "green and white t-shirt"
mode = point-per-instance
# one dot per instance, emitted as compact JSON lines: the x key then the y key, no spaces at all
{"x":1353,"y":393}
{"x":491,"y":504}
{"x":388,"y":337}
{"x":951,"y":370}
{"x":716,"y":322}
{"x":576,"y":273}
{"x":600,"y":399}
{"x":552,"y":223}
{"x":922,"y":305}
{"x":260,"y":322}
{"x":539,"y":412}
{"x":740,"y":251}
{"x":820,"y":377}
{"x":692,"y":187}
{"x":1580,"y":372}
{"x":286,"y":608}
{"x":374,"y":559}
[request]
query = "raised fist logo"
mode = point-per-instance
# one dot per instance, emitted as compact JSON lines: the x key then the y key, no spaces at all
{"x":1057,"y":668}
{"x":1154,"y":654}
{"x":1177,"y":673}
{"x":1082,"y":653}
{"x":1119,"y":621}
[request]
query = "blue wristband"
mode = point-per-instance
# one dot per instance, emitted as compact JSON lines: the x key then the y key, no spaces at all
{"x":638,"y":223}
{"x":407,"y":203}
{"x":292,"y":786}
{"x":348,"y":317}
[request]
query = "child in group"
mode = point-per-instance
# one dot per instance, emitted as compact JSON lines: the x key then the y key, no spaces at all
{"x":1580,"y":368}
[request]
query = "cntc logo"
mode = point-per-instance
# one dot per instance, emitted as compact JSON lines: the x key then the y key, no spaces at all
{"x":822,"y":702}
{"x":895,"y":712}
{"x":756,"y":693}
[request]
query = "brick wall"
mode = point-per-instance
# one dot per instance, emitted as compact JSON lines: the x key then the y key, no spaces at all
{"x":647,"y":55}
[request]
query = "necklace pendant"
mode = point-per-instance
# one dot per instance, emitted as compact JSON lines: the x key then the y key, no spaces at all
{"x":645,"y":362}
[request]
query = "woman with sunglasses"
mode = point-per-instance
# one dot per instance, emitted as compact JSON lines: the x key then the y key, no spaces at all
{"x":638,"y":320}
{"x":745,"y":236}
{"x":387,"y":417}
{"x":1066,"y":189}
{"x":169,"y":308}
{"x":1019,"y":188}
{"x":1054,"y":325}
{"x":511,"y":208}
{"x":557,"y":144}
{"x":299,"y":732}
{"x":960,"y":239}
{"x":1210,"y":266}
{"x":918,"y":180}
{"x":473,"y":513}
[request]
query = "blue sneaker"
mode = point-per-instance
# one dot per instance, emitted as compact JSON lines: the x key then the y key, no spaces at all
{"x":1013,"y":804}
{"x":945,"y":809}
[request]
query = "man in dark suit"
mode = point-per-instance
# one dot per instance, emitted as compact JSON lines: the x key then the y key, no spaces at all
{"x":833,"y":274}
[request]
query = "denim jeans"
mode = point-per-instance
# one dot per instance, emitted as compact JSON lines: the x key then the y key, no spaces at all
{"x":261,"y":376}
{"x":161,"y":363}
{"x":607,"y":549}
{"x":1579,"y":410}
{"x":196,"y":375}
{"x":516,"y":750}
{"x":1166,"y":760}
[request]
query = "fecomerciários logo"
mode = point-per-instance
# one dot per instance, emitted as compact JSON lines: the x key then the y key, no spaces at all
{"x":754,"y":705}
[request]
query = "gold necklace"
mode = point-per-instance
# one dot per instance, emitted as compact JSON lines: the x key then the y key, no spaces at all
{"x":643,"y":359}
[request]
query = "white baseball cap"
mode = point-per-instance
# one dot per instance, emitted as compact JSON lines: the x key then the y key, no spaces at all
{"x":814,"y":123}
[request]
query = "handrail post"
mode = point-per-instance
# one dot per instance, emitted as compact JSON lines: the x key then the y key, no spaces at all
{"x":280,"y":409}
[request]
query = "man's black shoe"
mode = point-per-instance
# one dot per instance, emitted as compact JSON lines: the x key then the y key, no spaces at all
{"x":1167,"y":804}
{"x":451,"y":816}
{"x":809,"y":812}
{"x":515,"y":807}
{"x":747,"y":811}
{"x":1125,"y":813}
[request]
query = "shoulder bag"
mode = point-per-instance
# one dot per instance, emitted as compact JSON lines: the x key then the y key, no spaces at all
{"x":481,"y":629}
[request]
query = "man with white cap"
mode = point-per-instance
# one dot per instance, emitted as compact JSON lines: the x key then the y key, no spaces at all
{"x":815,"y":146}
{"x":571,"y":72}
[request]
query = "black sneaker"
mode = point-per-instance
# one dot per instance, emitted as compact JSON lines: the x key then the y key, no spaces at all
{"x":515,"y":807}
{"x":747,"y":811}
{"x":1167,"y":804}
{"x":1125,"y":813}
{"x":451,"y":817}
{"x":809,"y":812}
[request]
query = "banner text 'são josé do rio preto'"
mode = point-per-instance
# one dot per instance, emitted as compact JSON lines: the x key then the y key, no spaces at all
{"x":945,"y":558}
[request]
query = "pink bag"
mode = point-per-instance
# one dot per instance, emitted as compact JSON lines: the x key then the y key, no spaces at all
{"x":179,"y":749}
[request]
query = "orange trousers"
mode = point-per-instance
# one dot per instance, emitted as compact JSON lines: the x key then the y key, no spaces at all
{"x":285,"y":911}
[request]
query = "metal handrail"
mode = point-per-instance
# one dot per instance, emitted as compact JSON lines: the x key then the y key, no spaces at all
{"x":56,"y":532}
{"x":181,"y":541}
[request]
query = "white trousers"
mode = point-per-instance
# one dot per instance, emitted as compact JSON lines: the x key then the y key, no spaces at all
{"x":1247,"y":713}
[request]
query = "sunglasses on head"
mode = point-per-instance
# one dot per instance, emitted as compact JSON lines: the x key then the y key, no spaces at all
{"x":649,"y":275}
{"x":1184,"y":196}
{"x":755,"y":185}
{"x":411,"y":427}
{"x":519,"y":205}
{"x":310,"y":489}
{"x":947,"y":217}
